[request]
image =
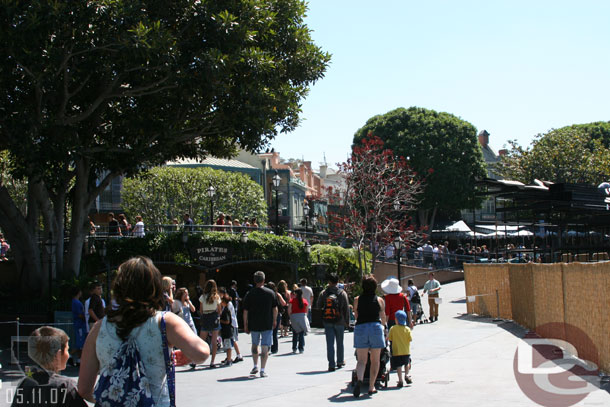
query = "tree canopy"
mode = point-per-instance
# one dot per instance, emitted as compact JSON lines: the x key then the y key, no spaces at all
{"x":437,"y":145}
{"x":380,"y":192}
{"x":164,"y":193}
{"x":573,"y":154}
{"x":90,"y":90}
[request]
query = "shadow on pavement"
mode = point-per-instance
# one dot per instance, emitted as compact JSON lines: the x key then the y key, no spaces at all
{"x":314,"y":372}
{"x":238,"y":379}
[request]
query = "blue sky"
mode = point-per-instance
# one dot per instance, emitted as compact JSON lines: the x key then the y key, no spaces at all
{"x":514,"y":68}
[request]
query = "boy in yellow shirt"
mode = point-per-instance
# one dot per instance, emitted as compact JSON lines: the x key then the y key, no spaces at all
{"x":400,"y":339}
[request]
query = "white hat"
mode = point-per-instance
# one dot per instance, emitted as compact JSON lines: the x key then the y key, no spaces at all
{"x":391,"y":286}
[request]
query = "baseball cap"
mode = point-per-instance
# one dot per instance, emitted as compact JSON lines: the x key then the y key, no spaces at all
{"x":401,"y":318}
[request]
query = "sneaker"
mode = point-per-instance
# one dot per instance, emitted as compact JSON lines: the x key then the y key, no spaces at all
{"x":254,"y":370}
{"x":331,"y":368}
{"x":238,"y":359}
{"x":263,"y":374}
{"x":294,"y":351}
{"x":399,"y":384}
{"x":340,"y":365}
{"x":408,"y":380}
{"x":301,"y":350}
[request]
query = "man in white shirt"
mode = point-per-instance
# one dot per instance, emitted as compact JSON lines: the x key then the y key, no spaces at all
{"x":307,"y":295}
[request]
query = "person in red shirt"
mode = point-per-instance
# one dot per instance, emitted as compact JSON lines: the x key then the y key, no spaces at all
{"x":395,"y":300}
{"x":298,"y":319}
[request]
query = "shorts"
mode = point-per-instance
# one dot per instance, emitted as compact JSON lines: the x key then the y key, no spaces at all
{"x":235,"y":333}
{"x":398,"y":361}
{"x":210,"y":322}
{"x":227,"y":344}
{"x":80,"y":334}
{"x":264,"y":338}
{"x":369,"y":335}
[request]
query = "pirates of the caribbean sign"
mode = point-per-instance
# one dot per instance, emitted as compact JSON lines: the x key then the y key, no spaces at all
{"x":211,"y":256}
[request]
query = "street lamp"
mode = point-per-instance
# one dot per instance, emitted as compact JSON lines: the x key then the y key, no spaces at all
{"x":306,"y":213}
{"x":307,"y":248}
{"x":398,"y":247}
{"x":276,"y":183}
{"x":103,"y":252}
{"x":211,"y":192}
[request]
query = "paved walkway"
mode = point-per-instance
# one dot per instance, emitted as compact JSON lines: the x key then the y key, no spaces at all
{"x":457,"y":361}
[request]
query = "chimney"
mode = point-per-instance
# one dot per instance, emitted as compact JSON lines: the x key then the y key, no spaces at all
{"x":323,"y":171}
{"x":502,"y":152}
{"x":483,"y":138}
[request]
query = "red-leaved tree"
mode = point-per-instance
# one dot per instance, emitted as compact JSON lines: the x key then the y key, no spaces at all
{"x":379,"y":194}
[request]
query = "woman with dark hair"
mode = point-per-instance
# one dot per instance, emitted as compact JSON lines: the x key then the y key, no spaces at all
{"x":281,"y":304}
{"x":298,"y":317}
{"x":138,"y":293}
{"x":282,"y":289}
{"x":124,"y":226}
{"x":369,"y":310}
{"x":210,"y":308}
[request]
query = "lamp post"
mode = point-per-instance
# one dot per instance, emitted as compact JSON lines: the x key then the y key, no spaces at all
{"x":103,"y":252}
{"x":306,"y":213}
{"x":276,"y":184}
{"x":398,"y":247}
{"x":211,"y":193}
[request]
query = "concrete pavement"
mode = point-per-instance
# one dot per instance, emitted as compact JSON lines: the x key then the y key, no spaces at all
{"x":458,"y":361}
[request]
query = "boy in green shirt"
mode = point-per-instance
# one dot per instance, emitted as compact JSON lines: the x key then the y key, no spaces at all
{"x":400,"y":339}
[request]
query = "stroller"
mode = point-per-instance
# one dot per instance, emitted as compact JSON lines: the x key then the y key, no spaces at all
{"x":383,"y":375}
{"x":418,"y":310}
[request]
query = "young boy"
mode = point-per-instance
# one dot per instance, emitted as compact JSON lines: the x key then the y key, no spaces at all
{"x":44,"y":386}
{"x":400,"y":339}
{"x":226,"y":329}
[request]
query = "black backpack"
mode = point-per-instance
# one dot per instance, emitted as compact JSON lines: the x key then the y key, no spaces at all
{"x":415,"y":299}
{"x":330,"y":311}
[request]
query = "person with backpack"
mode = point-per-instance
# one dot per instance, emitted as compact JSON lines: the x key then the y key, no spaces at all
{"x":335,"y":315}
{"x":131,"y":346}
{"x":415,"y":301}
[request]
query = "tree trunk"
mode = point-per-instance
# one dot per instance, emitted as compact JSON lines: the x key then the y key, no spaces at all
{"x":21,"y":233}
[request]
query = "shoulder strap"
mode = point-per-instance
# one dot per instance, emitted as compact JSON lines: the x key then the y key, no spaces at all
{"x":170,"y":369}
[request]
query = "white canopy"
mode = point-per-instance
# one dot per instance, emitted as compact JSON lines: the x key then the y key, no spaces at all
{"x":521,"y":233}
{"x":459,"y":226}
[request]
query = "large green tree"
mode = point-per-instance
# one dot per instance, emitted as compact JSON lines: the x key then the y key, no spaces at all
{"x":573,"y":154}
{"x":93,"y":89}
{"x":164,"y":193}
{"x":439,"y":146}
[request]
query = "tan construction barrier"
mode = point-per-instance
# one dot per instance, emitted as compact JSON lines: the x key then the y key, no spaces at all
{"x":538,"y":295}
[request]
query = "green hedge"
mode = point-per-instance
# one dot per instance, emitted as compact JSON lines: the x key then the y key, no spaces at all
{"x":260,"y":246}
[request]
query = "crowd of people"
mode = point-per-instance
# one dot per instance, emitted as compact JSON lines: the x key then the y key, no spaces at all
{"x":440,"y":255}
{"x":149,"y":318}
